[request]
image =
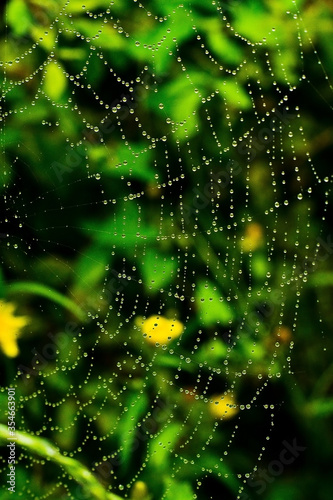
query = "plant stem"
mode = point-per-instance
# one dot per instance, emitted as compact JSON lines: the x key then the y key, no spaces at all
{"x":49,"y":293}
{"x":73,"y":467}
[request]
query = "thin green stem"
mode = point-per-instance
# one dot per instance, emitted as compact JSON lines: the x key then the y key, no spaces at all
{"x":49,"y":293}
{"x":73,"y":467}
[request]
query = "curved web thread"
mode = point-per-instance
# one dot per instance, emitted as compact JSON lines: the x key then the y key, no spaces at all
{"x":199,"y":174}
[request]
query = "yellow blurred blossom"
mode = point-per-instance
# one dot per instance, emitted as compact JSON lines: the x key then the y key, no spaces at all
{"x":223,"y":406}
{"x":139,"y":491}
{"x":253,"y":238}
{"x":160,"y":329}
{"x":10,"y":327}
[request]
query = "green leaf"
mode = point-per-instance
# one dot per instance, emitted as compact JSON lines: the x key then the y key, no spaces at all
{"x":212,"y":306}
{"x":321,"y":279}
{"x":68,"y":429}
{"x":259,"y":265}
{"x":252,"y":20}
{"x":234,"y":94}
{"x":225,"y":48}
{"x":175,"y":31}
{"x":214,"y":351}
{"x":320,"y":407}
{"x":19,"y":10}
{"x":125,"y":229}
{"x":134,"y":162}
{"x":161,"y":446}
{"x":109,"y":38}
{"x":157,"y":270}
{"x":255,"y":352}
{"x":47,"y":41}
{"x":171,"y":5}
{"x":177,"y":490}
{"x":167,"y":361}
{"x":55,"y":82}
{"x":180,"y":102}
{"x":75,"y":6}
{"x":90,"y":268}
{"x":137,"y":406}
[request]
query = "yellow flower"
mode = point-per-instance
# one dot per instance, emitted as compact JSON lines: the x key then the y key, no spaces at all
{"x":253,"y":238}
{"x":10,"y":327}
{"x":139,"y":491}
{"x":160,"y":329}
{"x":223,"y":406}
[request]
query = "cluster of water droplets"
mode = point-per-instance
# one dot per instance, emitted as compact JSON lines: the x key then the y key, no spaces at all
{"x":197,"y":214}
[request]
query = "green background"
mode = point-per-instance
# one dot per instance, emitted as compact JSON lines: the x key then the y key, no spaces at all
{"x":107,"y":166}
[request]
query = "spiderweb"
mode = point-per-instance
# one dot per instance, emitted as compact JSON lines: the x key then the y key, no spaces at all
{"x":159,"y":170}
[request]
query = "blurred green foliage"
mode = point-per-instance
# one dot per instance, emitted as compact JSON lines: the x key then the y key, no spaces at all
{"x":107,"y":168}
